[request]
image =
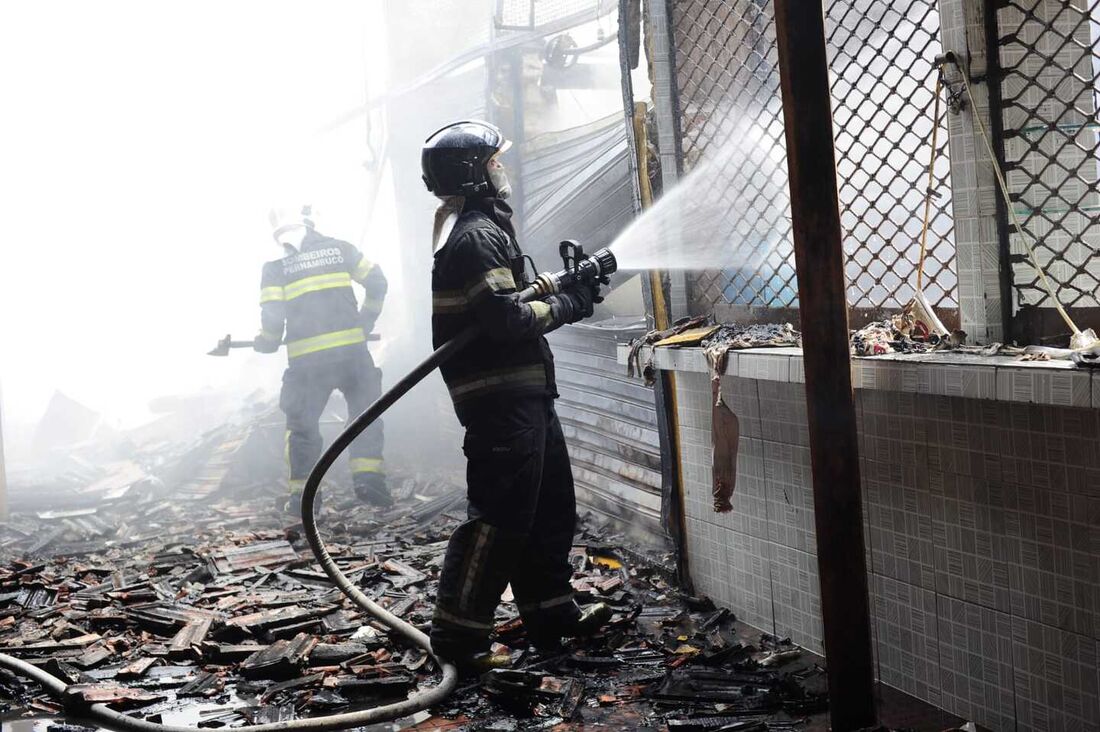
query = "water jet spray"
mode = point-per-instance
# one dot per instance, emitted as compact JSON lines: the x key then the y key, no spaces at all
{"x":698,"y":225}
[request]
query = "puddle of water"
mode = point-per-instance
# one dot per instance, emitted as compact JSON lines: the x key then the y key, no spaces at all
{"x":186,"y":712}
{"x":189,"y":714}
{"x":26,"y":725}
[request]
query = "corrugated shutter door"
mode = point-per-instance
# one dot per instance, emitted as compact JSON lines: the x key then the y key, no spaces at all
{"x":610,"y":423}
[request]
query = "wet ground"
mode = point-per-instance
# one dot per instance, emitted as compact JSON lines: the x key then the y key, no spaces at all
{"x":211,"y":612}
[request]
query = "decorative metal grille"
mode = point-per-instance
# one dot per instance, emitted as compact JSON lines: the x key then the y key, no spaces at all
{"x":883,"y":75}
{"x":1050,"y":65}
{"x":882,"y":59}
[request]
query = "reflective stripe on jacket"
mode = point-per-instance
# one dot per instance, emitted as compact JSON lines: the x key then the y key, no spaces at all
{"x":473,"y":283}
{"x":308,"y":296}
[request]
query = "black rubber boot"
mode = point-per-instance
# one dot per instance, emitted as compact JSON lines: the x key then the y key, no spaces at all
{"x":372,"y":489}
{"x":480,"y":664}
{"x":291,"y":503}
{"x":590,"y":621}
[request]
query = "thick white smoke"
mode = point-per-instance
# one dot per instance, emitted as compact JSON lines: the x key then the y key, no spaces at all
{"x":142,"y":144}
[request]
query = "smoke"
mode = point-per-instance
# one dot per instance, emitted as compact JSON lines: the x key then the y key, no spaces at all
{"x":143,"y":145}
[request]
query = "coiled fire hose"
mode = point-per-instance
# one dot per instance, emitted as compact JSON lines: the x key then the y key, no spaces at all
{"x":579,"y":269}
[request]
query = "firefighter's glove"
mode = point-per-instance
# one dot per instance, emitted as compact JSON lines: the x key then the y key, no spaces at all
{"x":591,"y":288}
{"x":571,"y":307}
{"x":264,"y":345}
{"x":596,"y":286}
{"x":368,"y":315}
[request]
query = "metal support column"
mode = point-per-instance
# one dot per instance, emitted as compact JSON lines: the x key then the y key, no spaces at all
{"x":834,"y":453}
{"x":653,"y":295}
{"x":665,"y":107}
{"x":981,"y":238}
{"x":673,"y":514}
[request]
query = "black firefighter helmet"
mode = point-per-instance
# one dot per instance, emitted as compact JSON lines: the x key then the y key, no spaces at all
{"x":455,"y":159}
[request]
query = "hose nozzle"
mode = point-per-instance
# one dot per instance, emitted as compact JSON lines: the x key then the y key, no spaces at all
{"x":606,"y":262}
{"x":580,"y":269}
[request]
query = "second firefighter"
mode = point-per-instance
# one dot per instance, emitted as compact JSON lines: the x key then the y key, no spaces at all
{"x":308,"y":295}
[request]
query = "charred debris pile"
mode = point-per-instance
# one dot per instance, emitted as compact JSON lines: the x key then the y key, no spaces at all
{"x":206,"y":608}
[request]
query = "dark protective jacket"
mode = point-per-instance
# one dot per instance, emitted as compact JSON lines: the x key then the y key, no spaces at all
{"x":521,"y":502}
{"x":309,"y":294}
{"x":474,"y":281}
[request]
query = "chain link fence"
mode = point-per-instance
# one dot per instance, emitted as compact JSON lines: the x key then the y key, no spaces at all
{"x":881,"y":55}
{"x":1050,"y":65}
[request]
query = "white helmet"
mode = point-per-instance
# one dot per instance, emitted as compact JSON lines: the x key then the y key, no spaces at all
{"x":290,"y":220}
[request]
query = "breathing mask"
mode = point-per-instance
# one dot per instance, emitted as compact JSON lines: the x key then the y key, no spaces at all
{"x":498,"y":177}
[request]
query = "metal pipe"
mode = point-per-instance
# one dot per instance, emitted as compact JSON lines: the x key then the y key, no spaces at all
{"x":823,"y":309}
{"x":666,"y":108}
{"x":673,"y":512}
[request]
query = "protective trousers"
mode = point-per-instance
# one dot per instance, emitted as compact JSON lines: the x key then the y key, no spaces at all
{"x":306,"y":391}
{"x":521,"y":518}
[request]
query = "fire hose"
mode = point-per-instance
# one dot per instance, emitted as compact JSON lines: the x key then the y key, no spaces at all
{"x":580,"y":270}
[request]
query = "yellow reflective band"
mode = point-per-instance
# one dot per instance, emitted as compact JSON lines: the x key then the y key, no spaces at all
{"x":546,"y":604}
{"x":453,"y":619}
{"x":497,"y":380}
{"x":366,"y":465}
{"x":363,"y":269}
{"x":495,"y":280}
{"x":542,"y":313}
{"x":286,"y":448}
{"x":297,"y":486}
{"x":371,"y":305}
{"x":325,"y":341}
{"x":449,"y":301}
{"x":486,"y":534}
{"x":315,"y":283}
{"x":271,"y":294}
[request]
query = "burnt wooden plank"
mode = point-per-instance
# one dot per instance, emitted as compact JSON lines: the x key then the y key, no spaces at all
{"x":283,"y":659}
{"x":187,"y":643}
{"x":823,"y":309}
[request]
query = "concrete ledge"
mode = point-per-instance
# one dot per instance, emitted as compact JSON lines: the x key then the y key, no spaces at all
{"x":1001,"y":378}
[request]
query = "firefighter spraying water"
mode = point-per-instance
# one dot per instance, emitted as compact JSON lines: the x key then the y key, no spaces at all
{"x":522,"y":508}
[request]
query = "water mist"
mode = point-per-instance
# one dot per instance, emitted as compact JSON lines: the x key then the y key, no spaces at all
{"x":732,"y":211}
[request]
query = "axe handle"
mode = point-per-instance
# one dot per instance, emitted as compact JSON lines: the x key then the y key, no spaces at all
{"x":250,"y":344}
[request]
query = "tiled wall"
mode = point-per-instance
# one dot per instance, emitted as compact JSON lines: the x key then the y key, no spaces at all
{"x":982,"y":521}
{"x":973,"y":182}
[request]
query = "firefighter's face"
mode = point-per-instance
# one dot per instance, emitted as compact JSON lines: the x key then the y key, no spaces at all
{"x":498,"y":177}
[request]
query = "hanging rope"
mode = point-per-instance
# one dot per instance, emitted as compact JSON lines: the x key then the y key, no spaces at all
{"x":931,"y":181}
